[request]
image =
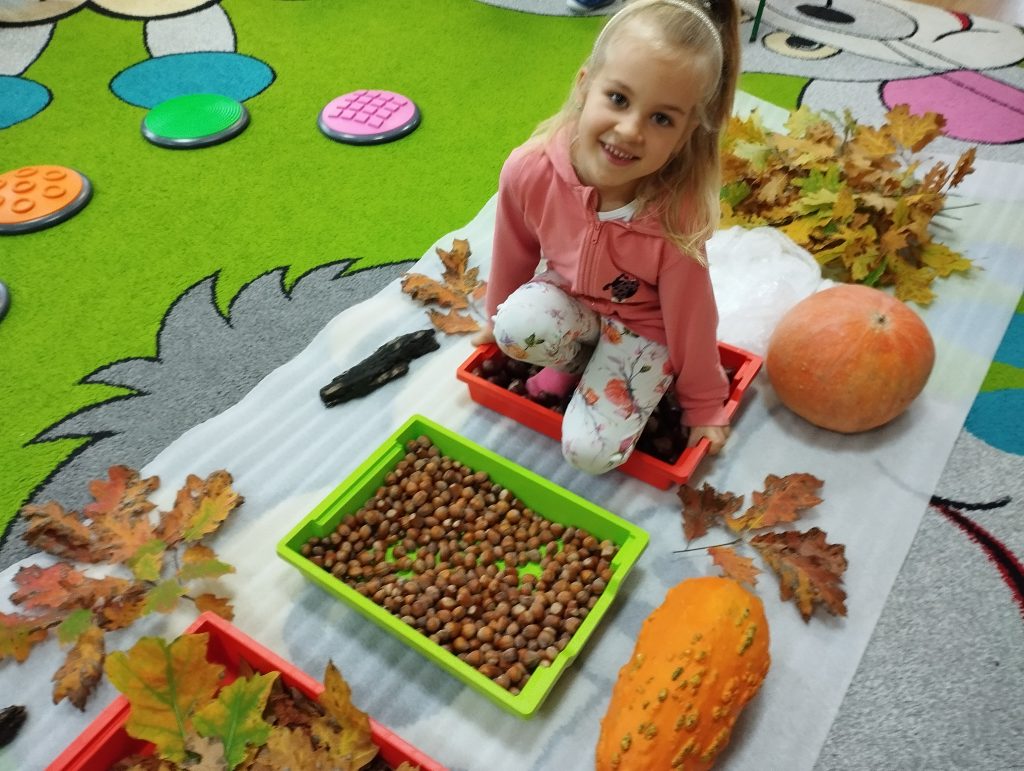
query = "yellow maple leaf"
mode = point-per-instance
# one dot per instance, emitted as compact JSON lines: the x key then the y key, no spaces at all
{"x":800,"y":229}
{"x":913,"y":132}
{"x":943,"y":260}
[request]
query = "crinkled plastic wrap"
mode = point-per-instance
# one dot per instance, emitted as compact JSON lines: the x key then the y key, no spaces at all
{"x":758,"y":274}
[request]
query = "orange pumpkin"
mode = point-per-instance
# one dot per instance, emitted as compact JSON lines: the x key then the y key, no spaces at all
{"x":849,"y":358}
{"x":700,"y":657}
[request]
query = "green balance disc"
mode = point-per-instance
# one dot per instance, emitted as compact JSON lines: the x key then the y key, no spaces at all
{"x":194,"y":120}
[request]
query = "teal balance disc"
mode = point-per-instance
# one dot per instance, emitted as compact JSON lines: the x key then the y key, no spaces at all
{"x":194,"y":120}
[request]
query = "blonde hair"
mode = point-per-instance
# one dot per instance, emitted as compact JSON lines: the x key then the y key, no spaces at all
{"x":684,"y":193}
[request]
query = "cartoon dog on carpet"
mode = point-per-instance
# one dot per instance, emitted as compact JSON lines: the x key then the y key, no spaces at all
{"x":871,"y":55}
{"x":191,"y":42}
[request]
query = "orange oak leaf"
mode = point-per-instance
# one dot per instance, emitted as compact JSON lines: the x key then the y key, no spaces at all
{"x":457,"y":273}
{"x":782,"y":500}
{"x":733,"y":565}
{"x":202,"y":505}
{"x":427,"y":290}
{"x":704,"y":508}
{"x":81,"y":670}
{"x":53,"y":529}
{"x":18,"y":634}
{"x":124,"y":609}
{"x":219,"y":605}
{"x":61,"y":587}
{"x":120,"y":514}
{"x":810,"y":569}
{"x":459,"y":288}
{"x":452,"y":322}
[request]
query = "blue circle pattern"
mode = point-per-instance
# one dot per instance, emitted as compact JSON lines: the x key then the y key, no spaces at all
{"x":995,"y":415}
{"x":20,"y":99}
{"x":153,"y":81}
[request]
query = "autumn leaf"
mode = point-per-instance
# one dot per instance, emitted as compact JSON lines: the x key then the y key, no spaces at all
{"x":74,"y":625}
{"x":124,"y":609}
{"x":17,"y":636}
{"x":219,"y":605}
{"x":81,"y":670}
{"x":810,"y":570}
{"x":733,"y":565}
{"x":782,"y":500}
{"x":163,"y":598}
{"x":165,"y":685}
{"x":459,"y":288}
{"x":427,"y":290}
{"x":200,"y":507}
{"x":61,"y":587}
{"x":704,"y":508}
{"x":199,"y":561}
{"x":53,"y":529}
{"x":148,"y":560}
{"x":287,"y":748}
{"x":452,"y":322}
{"x":120,"y":514}
{"x":841,"y":193}
{"x":236,"y":716}
{"x":354,"y":748}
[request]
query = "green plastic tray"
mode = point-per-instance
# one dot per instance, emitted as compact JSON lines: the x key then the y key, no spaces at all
{"x":550,"y":501}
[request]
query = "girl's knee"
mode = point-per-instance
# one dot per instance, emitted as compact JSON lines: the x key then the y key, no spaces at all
{"x":593,"y":457}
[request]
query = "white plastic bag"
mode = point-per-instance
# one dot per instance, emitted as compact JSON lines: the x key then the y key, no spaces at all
{"x":758,"y":274}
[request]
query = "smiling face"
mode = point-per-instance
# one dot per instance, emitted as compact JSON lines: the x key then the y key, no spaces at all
{"x":638,"y":110}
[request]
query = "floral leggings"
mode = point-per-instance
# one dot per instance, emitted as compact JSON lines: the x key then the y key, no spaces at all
{"x":624,"y":375}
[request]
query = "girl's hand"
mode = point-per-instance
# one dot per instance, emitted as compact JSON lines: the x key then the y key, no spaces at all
{"x":484,"y":336}
{"x":716,"y":435}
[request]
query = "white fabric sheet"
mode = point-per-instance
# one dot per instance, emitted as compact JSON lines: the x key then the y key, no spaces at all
{"x":286,"y":451}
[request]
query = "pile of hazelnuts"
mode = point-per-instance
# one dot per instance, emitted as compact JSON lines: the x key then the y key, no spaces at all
{"x":463,"y":561}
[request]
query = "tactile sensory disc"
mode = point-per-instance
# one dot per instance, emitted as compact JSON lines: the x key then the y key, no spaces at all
{"x":369,"y":117}
{"x":194,"y":120}
{"x":35,"y":197}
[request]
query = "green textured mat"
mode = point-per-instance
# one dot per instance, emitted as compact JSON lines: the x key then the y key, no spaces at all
{"x":94,"y":289}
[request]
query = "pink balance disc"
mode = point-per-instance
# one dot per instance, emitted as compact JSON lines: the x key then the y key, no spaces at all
{"x":369,"y":117}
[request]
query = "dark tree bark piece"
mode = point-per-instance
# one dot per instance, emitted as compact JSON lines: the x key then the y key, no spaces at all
{"x":387,"y":363}
{"x":11,"y":720}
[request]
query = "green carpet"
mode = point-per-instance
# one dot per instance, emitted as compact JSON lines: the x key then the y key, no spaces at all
{"x":93,"y":290}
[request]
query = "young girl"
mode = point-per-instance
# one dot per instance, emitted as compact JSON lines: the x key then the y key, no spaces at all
{"x":618,"y":193}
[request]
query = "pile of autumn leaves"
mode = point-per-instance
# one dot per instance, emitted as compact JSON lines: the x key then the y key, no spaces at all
{"x":809,"y":569}
{"x":162,"y":553}
{"x":853,"y":195}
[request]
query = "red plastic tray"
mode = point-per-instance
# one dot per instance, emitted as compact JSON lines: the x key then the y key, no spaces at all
{"x":744,"y":364}
{"x":104,"y":741}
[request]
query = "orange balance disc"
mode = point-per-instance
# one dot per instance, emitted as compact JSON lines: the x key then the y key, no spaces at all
{"x":35,"y":197}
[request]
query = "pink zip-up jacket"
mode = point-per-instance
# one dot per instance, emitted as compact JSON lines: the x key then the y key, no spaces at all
{"x":627,"y":270}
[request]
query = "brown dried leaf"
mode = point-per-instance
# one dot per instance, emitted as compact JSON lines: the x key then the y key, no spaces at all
{"x":288,"y":748}
{"x":704,"y":508}
{"x":352,"y":746}
{"x":120,"y":513}
{"x":810,"y":570}
{"x":453,"y":322}
{"x":82,"y":669}
{"x":18,"y":634}
{"x":219,"y":605}
{"x":55,"y":530}
{"x":783,"y":500}
{"x":426,"y":290}
{"x":458,"y":288}
{"x":124,"y":609}
{"x":61,"y":587}
{"x":733,"y":565}
{"x":201,"y":507}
